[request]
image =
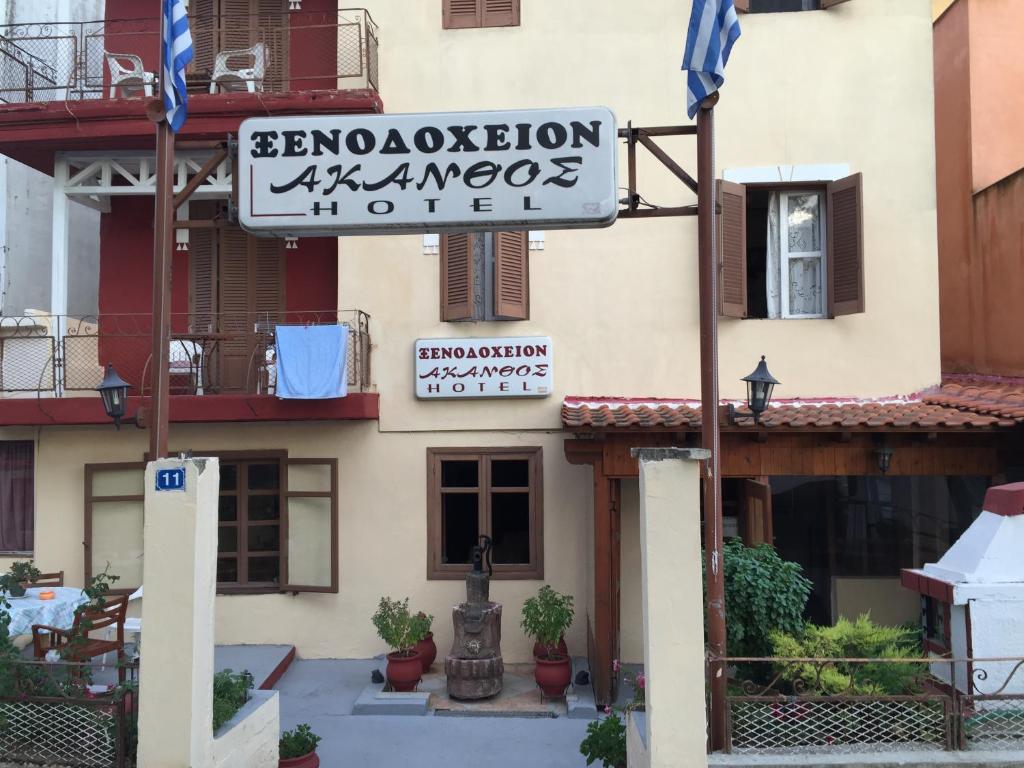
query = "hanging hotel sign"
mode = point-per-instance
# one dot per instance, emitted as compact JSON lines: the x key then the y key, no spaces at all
{"x":388,"y":174}
{"x":503,"y":367}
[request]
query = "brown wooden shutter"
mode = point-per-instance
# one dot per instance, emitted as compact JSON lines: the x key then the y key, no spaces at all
{"x":742,"y":6}
{"x":845,"y":246}
{"x":757,"y":512}
{"x":233,"y":303}
{"x":825,"y":4}
{"x":272,"y":30}
{"x":456,"y":277}
{"x":202,"y":280}
{"x":500,"y":13}
{"x":202,"y":24}
{"x":268,"y":293}
{"x":511,"y":276}
{"x":732,"y":250}
{"x":461,"y":14}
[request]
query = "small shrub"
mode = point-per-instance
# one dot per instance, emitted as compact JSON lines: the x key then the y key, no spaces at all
{"x":546,"y":617}
{"x":299,"y":742}
{"x":397,"y":627}
{"x":605,"y":741}
{"x":230,"y":692}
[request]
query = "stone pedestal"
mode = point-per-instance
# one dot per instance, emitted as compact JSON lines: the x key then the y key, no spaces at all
{"x":474,"y":667}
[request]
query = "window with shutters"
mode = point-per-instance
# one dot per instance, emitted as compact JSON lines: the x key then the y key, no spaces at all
{"x":495,"y":492}
{"x":791,"y":251}
{"x":485,"y":276}
{"x":783,"y":6}
{"x":234,"y":25}
{"x":466,"y":14}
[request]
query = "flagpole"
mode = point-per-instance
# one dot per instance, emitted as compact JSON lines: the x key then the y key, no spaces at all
{"x":163,"y":234}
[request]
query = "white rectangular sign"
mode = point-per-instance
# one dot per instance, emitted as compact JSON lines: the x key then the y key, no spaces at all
{"x":387,"y":174}
{"x":504,"y":367}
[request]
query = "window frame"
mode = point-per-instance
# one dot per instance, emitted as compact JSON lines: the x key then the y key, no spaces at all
{"x":436,"y":570}
{"x":786,"y":255}
{"x":30,"y":551}
{"x":87,"y":540}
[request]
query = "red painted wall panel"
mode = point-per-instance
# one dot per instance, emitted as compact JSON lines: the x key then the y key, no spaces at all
{"x":311,"y":276}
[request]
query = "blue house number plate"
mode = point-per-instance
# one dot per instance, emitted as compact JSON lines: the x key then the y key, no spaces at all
{"x":170,"y":479}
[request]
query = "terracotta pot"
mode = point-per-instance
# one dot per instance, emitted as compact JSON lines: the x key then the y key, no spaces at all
{"x":404,"y":671}
{"x":310,"y":760}
{"x":540,"y":650}
{"x":553,"y":675}
{"x":427,"y":651}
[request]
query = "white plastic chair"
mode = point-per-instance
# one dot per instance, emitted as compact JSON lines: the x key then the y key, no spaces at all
{"x":129,"y":79}
{"x":269,"y":374}
{"x":247,"y":78}
{"x":132,"y":626}
{"x":185,"y":358}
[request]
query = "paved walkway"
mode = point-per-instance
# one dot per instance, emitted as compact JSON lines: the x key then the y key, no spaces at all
{"x":321,"y":692}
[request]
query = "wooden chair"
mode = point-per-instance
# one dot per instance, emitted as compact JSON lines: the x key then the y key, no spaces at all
{"x":84,"y":647}
{"x":55,"y":579}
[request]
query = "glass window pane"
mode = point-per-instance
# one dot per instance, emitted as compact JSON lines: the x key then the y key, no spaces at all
{"x":264,"y":477}
{"x":460,"y":529}
{"x":510,"y":473}
{"x":264,"y":569}
{"x":227,"y":569}
{"x":309,"y":478}
{"x":309,"y":542}
{"x":227,"y":538}
{"x":263,"y":538}
{"x":805,"y":286}
{"x":264,"y":507}
{"x":510,"y":527}
{"x":803,"y":223}
{"x":228,"y":477}
{"x":118,"y":482}
{"x":227,"y":509}
{"x":459,"y":474}
{"x":117,"y":539}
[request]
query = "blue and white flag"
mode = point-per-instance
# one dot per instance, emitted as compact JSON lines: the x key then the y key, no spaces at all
{"x":713,"y":29}
{"x":176,"y":54}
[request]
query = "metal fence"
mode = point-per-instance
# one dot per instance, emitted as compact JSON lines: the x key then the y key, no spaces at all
{"x":71,"y":61}
{"x":54,"y":713}
{"x":225,"y":353}
{"x":807,"y":706}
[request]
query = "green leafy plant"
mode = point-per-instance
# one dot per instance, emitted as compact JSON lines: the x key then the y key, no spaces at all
{"x":546,"y":617}
{"x":860,"y":639}
{"x":230,"y":692}
{"x":605,"y":741}
{"x":298,"y":742}
{"x":763,"y":594}
{"x":397,"y":627}
{"x":17,"y":577}
{"x":427,"y":619}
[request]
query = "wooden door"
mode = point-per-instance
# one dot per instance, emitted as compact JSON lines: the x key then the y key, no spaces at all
{"x":757,"y":512}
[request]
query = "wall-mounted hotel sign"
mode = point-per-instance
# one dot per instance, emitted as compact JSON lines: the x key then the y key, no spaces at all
{"x":389,"y":174}
{"x":504,"y":367}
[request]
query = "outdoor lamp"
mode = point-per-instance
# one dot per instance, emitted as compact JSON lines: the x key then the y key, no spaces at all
{"x":760,"y":384}
{"x":883,"y":453}
{"x":114,"y":391}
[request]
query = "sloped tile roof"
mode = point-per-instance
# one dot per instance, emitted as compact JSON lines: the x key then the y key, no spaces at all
{"x":990,"y":395}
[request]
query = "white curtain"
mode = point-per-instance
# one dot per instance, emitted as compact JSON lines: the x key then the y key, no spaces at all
{"x":773,"y":267}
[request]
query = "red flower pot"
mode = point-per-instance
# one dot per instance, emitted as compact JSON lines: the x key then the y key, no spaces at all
{"x":540,"y":650}
{"x":553,"y":675}
{"x":311,"y":760}
{"x":404,"y":671}
{"x":427,"y":651}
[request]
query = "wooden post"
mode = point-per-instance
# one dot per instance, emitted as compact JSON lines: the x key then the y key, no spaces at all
{"x":713,"y":539}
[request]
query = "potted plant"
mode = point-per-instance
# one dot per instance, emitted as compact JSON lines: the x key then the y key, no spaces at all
{"x":18,"y":576}
{"x":546,"y":617}
{"x":297,"y":748}
{"x":401,"y":631}
{"x":426,"y":647}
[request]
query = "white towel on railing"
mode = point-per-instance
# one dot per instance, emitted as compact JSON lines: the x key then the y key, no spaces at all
{"x":312,"y":361}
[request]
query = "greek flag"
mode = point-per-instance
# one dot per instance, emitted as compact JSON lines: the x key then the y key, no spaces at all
{"x":176,"y":54}
{"x":713,"y":29}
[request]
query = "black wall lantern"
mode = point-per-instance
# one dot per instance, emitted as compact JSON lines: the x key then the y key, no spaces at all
{"x":760,"y":384}
{"x":114,"y":392}
{"x":883,"y":453}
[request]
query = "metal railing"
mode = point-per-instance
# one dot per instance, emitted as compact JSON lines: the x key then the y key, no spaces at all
{"x":53,"y":713}
{"x":70,"y":61}
{"x":807,"y":705}
{"x":210,"y":354}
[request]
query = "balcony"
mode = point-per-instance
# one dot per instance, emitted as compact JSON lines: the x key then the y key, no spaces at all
{"x":223,"y":367}
{"x":73,"y":61}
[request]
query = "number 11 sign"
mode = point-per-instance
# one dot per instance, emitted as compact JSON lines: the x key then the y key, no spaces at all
{"x":170,"y":479}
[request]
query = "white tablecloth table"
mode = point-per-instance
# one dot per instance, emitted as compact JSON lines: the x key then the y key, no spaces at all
{"x":59,"y":612}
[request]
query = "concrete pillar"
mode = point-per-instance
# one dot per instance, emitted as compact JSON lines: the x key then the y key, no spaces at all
{"x":179,"y":575}
{"x":675,"y":720}
{"x":60,"y":246}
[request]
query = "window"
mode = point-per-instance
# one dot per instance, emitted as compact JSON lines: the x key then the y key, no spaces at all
{"x":791,"y":250}
{"x":17,"y":494}
{"x":473,"y":492}
{"x":465,"y":14}
{"x":485,"y":276}
{"x":114,"y":497}
{"x":780,"y":6}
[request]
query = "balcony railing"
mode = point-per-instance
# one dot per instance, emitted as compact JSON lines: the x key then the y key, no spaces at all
{"x":71,"y":61}
{"x":60,"y":356}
